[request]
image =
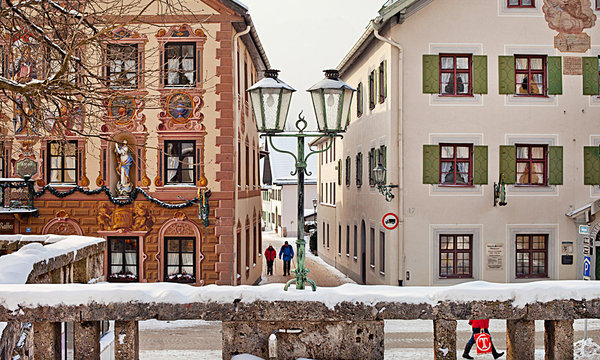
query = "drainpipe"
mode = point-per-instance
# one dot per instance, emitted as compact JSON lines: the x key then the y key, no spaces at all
{"x":235,"y":142}
{"x":398,"y":128}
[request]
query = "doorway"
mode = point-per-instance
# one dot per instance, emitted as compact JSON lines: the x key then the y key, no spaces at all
{"x":363,"y":252}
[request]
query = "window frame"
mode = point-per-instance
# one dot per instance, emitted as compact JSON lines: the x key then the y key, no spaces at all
{"x":372,"y":165}
{"x":531,"y":251}
{"x":372,"y":247}
{"x":348,"y":170}
{"x":520,"y":5}
{"x":111,"y":277}
{"x":531,"y":161}
{"x":180,"y":71}
{"x":62,"y":168}
{"x":179,"y":171}
{"x":134,"y":49}
{"x":381,"y":252}
{"x":529,"y":72}
{"x":455,"y":72}
{"x":455,"y":251}
{"x":348,"y":240}
{"x":2,"y":161}
{"x":180,"y":265}
{"x":454,"y":160}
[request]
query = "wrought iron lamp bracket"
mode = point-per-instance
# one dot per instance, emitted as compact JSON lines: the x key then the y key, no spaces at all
{"x":386,"y":191}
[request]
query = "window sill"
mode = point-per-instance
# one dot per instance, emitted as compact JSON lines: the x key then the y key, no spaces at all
{"x":61,"y":185}
{"x":355,"y":258}
{"x":455,"y":96}
{"x":339,"y":254}
{"x":454,"y":186}
{"x":372,"y":267}
{"x":456,"y":278}
{"x":348,"y":255}
{"x":532,"y":277}
{"x":382,"y":273}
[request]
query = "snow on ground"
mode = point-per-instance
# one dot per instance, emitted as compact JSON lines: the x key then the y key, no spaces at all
{"x":154,"y":324}
{"x":587,"y":349}
{"x":426,"y":326}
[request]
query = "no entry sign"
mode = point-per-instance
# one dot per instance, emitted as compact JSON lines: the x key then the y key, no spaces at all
{"x":484,"y":343}
{"x":390,"y":221}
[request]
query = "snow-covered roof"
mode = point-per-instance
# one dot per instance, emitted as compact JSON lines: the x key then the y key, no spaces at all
{"x":293,"y":181}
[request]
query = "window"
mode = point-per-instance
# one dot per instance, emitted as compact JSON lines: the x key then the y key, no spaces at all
{"x":247,"y":249}
{"x":358,"y":170}
{"x":455,"y":75}
{"x":597,"y":4}
{"x":62,"y":162}
{"x":382,"y":160}
{"x":339,"y":171}
{"x":180,"y":64}
{"x":372,"y":247}
{"x":382,"y":81}
{"x":381,"y":252}
{"x":372,"y":90}
{"x":323,"y":234}
{"x":247,"y":158}
{"x":348,"y":169}
{"x":122,"y":67}
{"x":123,"y":259}
{"x":456,"y":161}
{"x":456,"y":256}
{"x":371,"y":167}
{"x":347,"y":240}
{"x":254,"y":244}
{"x":530,"y":75}
{"x":2,"y":167}
{"x":355,"y":242}
{"x":340,"y":240}
{"x":531,"y":164}
{"x":180,"y":159}
{"x":359,"y":100}
{"x":180,"y":264}
{"x":532,"y":256}
{"x":521,"y":3}
{"x":328,"y":236}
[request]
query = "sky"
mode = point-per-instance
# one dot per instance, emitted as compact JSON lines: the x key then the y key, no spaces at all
{"x":301,"y":39}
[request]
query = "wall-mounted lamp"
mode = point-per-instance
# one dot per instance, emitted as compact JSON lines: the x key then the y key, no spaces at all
{"x":379,"y":172}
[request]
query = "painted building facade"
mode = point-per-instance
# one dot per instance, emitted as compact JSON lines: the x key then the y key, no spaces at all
{"x":452,"y":95}
{"x":177,"y":126}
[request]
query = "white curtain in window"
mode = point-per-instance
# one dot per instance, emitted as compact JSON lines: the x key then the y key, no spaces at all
{"x":173,"y":259}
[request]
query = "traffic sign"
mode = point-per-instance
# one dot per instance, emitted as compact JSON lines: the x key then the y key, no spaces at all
{"x":584,"y":229}
{"x":390,"y":221}
{"x":587,"y":265}
{"x":484,"y":343}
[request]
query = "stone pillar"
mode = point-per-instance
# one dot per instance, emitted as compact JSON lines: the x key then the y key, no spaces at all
{"x":325,"y":340}
{"x":127,"y":340}
{"x":520,"y":339}
{"x":46,"y":341}
{"x":558,"y":339}
{"x":80,"y":272}
{"x":444,"y":339}
{"x":86,"y":341}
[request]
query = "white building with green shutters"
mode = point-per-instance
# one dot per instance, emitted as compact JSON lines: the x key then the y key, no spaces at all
{"x":452,"y":96}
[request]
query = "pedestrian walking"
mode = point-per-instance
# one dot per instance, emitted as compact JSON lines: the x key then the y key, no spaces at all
{"x":479,"y":326}
{"x":270,"y":255}
{"x":288,"y":254}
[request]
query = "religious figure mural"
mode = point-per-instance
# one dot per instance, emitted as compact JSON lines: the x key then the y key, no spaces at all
{"x":24,"y":66}
{"x":570,"y":18}
{"x":124,"y":163}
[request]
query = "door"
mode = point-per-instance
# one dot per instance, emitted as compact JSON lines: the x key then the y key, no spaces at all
{"x":363,"y":252}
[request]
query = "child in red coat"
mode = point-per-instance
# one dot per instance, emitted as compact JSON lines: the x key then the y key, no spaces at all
{"x":478,"y":326}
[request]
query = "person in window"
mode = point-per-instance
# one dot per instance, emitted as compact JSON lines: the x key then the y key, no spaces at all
{"x":479,"y":326}
{"x":449,"y":177}
{"x":288,"y":254}
{"x":270,"y":255}
{"x":524,"y":89}
{"x":460,"y":86}
{"x":449,"y":89}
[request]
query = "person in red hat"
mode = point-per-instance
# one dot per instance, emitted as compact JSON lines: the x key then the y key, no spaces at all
{"x":478,"y":326}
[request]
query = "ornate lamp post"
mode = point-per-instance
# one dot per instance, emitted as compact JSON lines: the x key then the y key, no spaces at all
{"x":270,"y":99}
{"x":385,"y":190}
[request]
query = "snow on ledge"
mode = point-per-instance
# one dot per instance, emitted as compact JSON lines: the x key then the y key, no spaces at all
{"x":33,"y":295}
{"x":15,"y":267}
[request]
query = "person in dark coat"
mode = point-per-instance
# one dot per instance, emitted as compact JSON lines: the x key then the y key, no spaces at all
{"x":270,"y":255}
{"x":287,"y":251}
{"x":478,"y":326}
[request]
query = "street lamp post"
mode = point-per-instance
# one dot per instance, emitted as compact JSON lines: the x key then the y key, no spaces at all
{"x":270,"y":98}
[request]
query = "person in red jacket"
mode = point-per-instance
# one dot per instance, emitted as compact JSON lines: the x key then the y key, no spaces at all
{"x":270,"y":255}
{"x":478,"y":326}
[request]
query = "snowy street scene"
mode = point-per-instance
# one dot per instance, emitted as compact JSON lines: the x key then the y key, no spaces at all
{"x":300,"y":180}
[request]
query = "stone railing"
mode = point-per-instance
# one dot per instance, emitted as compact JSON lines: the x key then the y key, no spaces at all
{"x":44,"y":259}
{"x":332,"y":323}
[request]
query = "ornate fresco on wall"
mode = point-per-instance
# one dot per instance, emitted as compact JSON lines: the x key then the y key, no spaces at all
{"x":138,"y":218}
{"x":121,"y":109}
{"x":570,"y":18}
{"x":62,"y":225}
{"x":180,"y":107}
{"x":25,"y":59}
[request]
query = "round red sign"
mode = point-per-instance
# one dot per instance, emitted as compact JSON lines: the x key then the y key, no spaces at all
{"x":390,"y":221}
{"x":484,"y":343}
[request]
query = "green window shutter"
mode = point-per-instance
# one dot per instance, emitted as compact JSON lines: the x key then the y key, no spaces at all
{"x":554,"y":75}
{"x":431,"y":74}
{"x":555,"y":164}
{"x":385,"y":72}
{"x":506,"y":74}
{"x":591,"y":165}
{"x":339,"y":169}
{"x":480,"y":82}
{"x":508,"y":163}
{"x":590,"y":76}
{"x":384,"y":162}
{"x":480,"y":165}
{"x":431,"y":164}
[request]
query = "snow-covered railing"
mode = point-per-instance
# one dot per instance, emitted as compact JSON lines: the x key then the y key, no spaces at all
{"x":261,"y":308}
{"x":44,"y":259}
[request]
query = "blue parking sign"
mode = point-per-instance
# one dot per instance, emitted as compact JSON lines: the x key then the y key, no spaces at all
{"x":587,"y":265}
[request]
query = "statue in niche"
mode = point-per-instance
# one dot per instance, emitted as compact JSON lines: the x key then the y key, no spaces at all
{"x":124,"y":163}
